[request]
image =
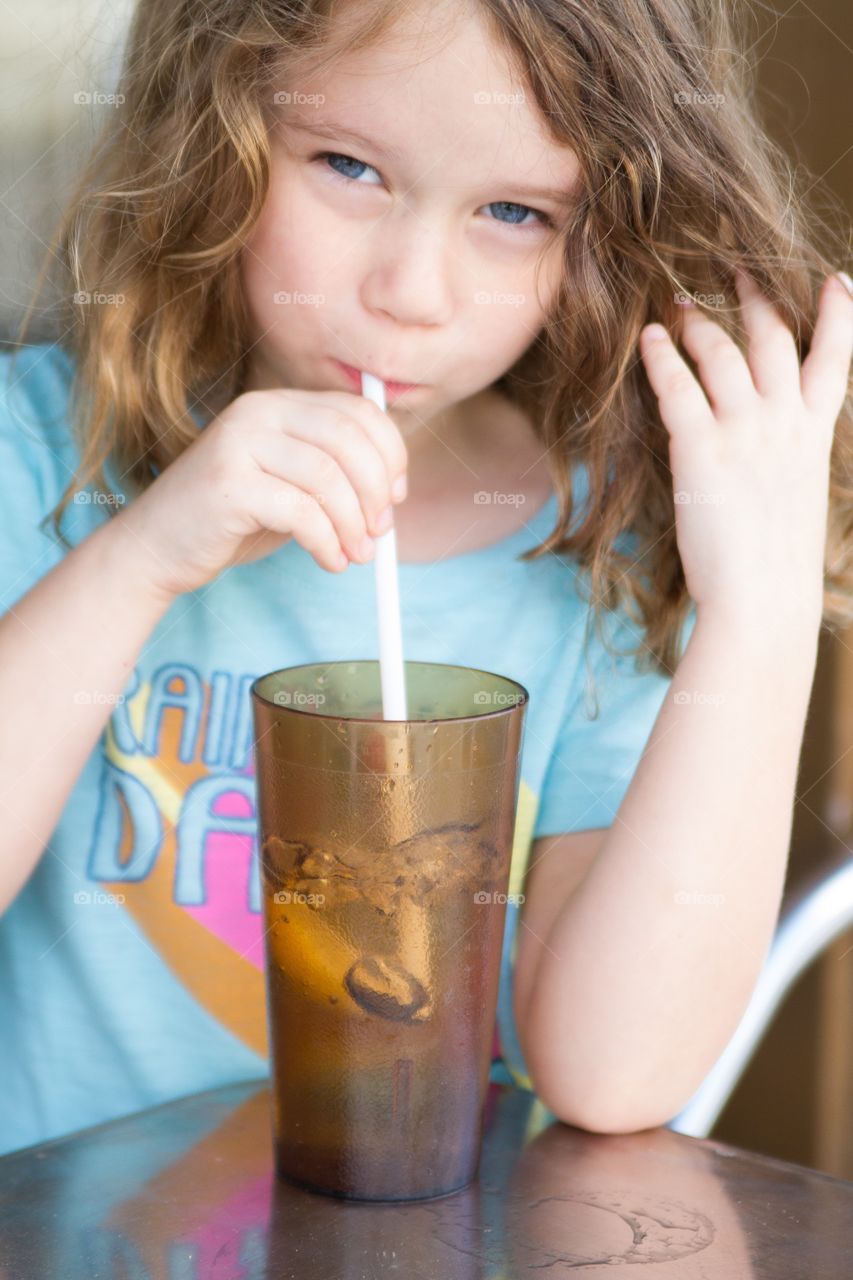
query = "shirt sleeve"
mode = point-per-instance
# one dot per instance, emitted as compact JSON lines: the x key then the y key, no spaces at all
{"x":34,"y":465}
{"x":595,"y":757}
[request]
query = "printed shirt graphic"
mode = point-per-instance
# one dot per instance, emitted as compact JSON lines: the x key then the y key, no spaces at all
{"x":132,"y":960}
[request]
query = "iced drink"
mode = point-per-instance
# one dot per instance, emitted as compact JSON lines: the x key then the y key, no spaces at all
{"x":385,"y":851}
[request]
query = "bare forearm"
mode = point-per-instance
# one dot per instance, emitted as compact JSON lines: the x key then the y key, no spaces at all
{"x":67,"y":649}
{"x":651,"y":963}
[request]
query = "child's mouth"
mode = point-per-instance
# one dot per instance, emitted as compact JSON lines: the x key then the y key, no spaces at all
{"x":392,"y":389}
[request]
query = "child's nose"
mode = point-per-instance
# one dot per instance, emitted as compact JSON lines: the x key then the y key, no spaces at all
{"x":412,"y":274}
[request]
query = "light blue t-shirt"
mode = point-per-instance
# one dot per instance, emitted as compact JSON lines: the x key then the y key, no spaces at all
{"x":131,"y":963}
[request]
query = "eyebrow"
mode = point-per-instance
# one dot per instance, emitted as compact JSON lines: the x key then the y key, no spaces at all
{"x":329,"y":129}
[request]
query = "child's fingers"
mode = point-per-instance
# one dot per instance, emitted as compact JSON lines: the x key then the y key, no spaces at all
{"x":725,"y":375}
{"x":773,"y":357}
{"x":309,"y":468}
{"x":682,"y":402}
{"x":343,"y":437}
{"x":379,"y":426}
{"x":826,"y":369}
{"x":287,"y":509}
{"x":384,"y":433}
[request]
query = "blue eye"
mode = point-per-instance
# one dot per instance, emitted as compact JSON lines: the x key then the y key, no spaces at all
{"x":348,"y":163}
{"x":523,"y":209}
{"x":329,"y":156}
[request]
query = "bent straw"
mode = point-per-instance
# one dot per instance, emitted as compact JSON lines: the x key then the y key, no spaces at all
{"x":391,"y":669}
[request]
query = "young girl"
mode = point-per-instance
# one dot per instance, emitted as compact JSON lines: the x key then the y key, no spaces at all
{"x":641,"y":510}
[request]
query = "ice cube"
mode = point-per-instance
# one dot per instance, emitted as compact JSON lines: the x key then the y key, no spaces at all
{"x":384,"y":895}
{"x":444,"y":855}
{"x":282,"y":858}
{"x":318,"y":862}
{"x":380,"y":984}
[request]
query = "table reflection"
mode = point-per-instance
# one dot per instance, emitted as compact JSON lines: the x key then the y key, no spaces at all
{"x":187,"y":1191}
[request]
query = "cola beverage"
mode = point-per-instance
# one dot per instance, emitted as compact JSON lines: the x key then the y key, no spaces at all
{"x":385,"y":854}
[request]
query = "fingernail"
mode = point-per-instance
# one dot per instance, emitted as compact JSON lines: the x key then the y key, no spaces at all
{"x":399,"y":489}
{"x":654,"y":332}
{"x":384,"y":520}
{"x":846,"y":281}
{"x":366,"y":548}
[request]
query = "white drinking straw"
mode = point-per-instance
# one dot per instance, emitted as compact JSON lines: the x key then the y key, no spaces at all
{"x":391,"y":670}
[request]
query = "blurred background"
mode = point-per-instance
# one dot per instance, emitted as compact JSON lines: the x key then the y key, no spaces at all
{"x":58,"y":67}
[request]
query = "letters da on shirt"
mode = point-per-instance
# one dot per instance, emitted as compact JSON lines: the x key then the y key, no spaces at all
{"x":178,"y":782}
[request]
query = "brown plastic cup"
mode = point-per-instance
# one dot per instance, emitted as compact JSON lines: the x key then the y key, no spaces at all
{"x":385,"y":857}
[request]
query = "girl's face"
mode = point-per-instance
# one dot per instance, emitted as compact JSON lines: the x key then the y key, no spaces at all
{"x":414,"y":190}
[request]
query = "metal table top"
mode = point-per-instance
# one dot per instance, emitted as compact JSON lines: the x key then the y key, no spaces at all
{"x":187,"y":1191}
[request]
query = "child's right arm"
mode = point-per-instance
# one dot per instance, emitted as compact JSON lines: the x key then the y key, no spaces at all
{"x":242,"y":488}
{"x":66,"y":650}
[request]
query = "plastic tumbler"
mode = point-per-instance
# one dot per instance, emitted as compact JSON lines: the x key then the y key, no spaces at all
{"x":385,"y":857}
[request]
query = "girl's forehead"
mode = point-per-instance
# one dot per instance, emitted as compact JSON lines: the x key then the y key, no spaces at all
{"x":429,"y":92}
{"x":416,"y":38}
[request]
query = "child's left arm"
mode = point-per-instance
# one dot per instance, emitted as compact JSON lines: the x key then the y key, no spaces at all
{"x":652,"y":959}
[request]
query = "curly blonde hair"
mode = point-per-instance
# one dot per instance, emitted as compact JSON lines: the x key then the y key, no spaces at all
{"x":679,"y":184}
